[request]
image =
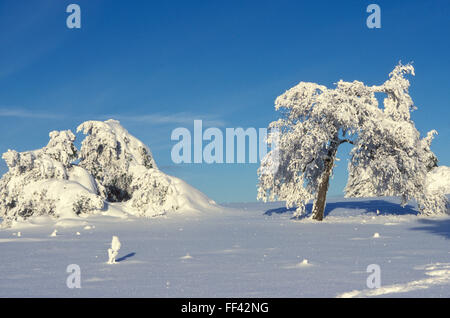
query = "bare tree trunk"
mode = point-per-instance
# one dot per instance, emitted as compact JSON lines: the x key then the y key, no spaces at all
{"x":319,"y":203}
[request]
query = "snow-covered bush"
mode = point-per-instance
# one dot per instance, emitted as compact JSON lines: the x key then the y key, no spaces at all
{"x":108,"y":152}
{"x":61,"y":147}
{"x":153,"y":193}
{"x":48,"y":162}
{"x":87,"y":203}
{"x":113,"y":166}
{"x":125,"y":168}
{"x":388,"y":155}
{"x":437,"y":186}
{"x":34,"y":203}
{"x":438,"y":179}
{"x":40,"y":182}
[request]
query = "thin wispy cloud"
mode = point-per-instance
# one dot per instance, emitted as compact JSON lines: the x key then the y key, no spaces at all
{"x":182,"y":118}
{"x":23,"y":113}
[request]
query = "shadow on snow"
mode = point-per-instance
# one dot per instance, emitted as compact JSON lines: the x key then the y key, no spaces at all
{"x":366,"y":207}
{"x":125,"y":257}
{"x":437,"y":227}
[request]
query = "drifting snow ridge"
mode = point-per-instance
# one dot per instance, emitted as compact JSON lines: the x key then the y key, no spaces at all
{"x":439,"y":274}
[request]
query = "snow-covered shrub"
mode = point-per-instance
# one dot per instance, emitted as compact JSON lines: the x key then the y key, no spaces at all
{"x":108,"y":152}
{"x":437,"y":186}
{"x":153,"y":193}
{"x":87,"y":203}
{"x":48,"y":162}
{"x":438,"y":179}
{"x":39,"y":182}
{"x":125,"y":168}
{"x":61,"y":147}
{"x":113,"y":166}
{"x":35,"y":203}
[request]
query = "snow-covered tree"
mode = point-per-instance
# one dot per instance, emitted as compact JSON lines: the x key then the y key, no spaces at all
{"x":108,"y":152}
{"x":388,"y":155}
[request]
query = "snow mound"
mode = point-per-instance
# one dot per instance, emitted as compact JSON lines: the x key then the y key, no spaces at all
{"x":155,"y":193}
{"x":113,"y":166}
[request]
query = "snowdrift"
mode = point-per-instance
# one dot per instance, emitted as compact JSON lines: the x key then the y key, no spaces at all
{"x":113,"y":166}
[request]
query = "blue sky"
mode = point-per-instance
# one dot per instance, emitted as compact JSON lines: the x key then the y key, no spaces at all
{"x":157,"y":65}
